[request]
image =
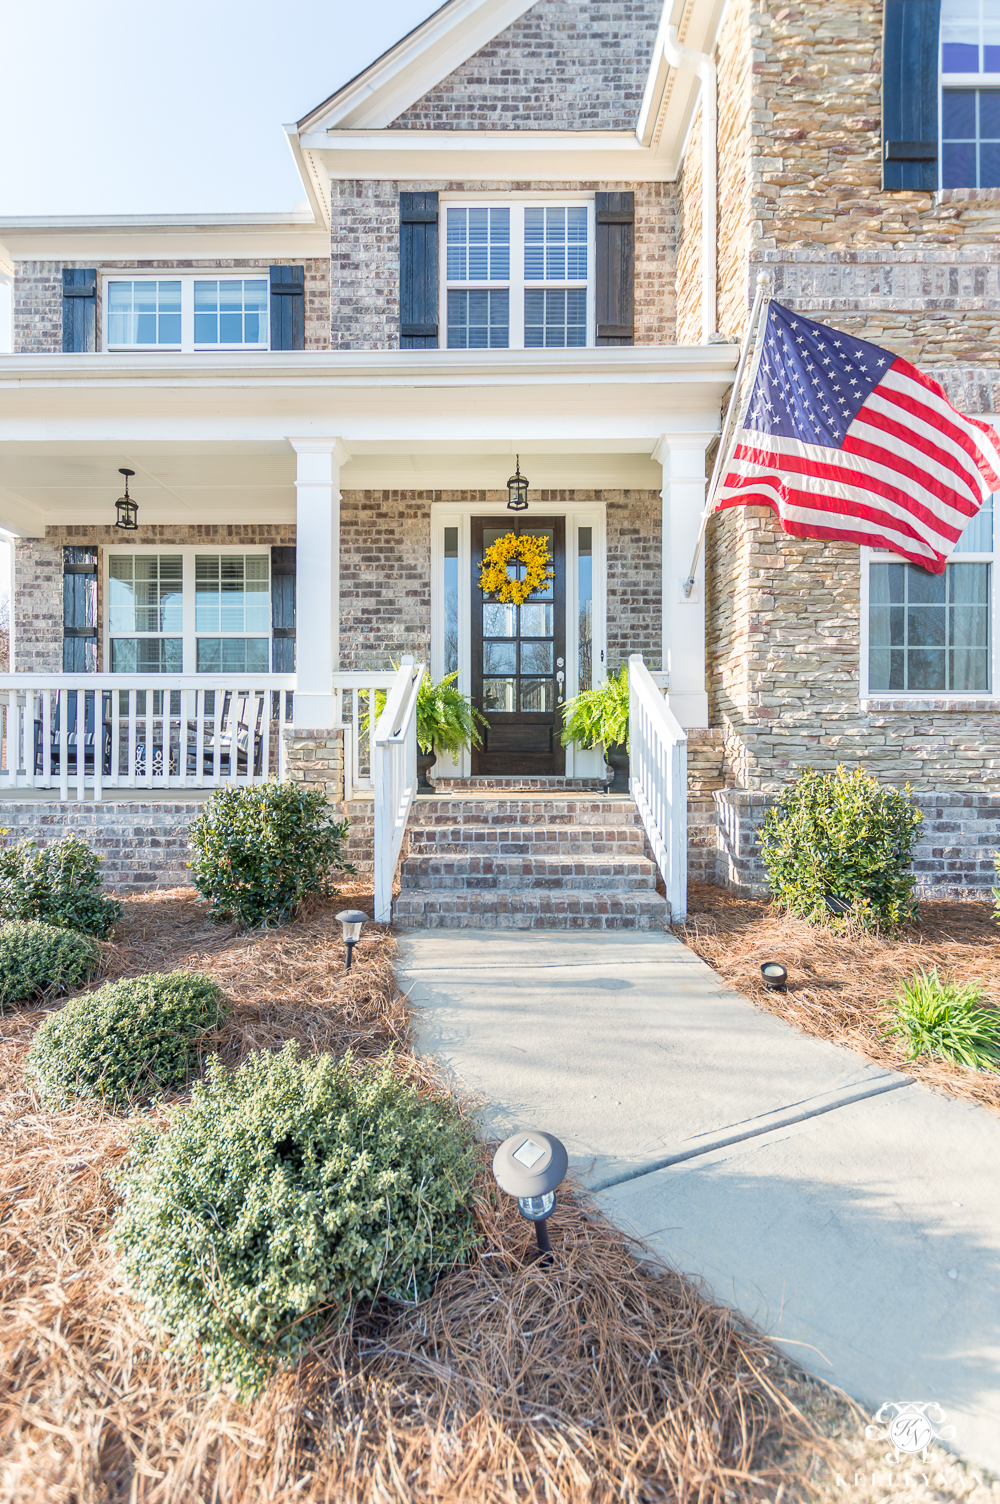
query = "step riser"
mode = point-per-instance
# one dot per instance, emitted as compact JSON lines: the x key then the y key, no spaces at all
{"x":524,"y":922}
{"x":495,"y":910}
{"x":444,"y":882}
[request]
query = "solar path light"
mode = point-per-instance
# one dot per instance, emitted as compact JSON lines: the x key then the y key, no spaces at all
{"x":775,"y":976}
{"x":351,"y":921}
{"x":530,"y":1166}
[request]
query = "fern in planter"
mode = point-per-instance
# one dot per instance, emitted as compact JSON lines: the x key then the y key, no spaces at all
{"x":599,"y":715}
{"x":446,"y":719}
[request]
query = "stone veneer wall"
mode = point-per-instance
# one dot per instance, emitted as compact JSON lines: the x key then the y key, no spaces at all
{"x":38,"y":295}
{"x":37,"y":592}
{"x":314,"y":758}
{"x":364,"y":250}
{"x":564,"y":65}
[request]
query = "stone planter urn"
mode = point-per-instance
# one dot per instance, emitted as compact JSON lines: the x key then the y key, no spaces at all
{"x":424,"y":761}
{"x":617,"y":760}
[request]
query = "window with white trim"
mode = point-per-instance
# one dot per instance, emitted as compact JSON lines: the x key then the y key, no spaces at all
{"x":188,"y":611}
{"x":970,"y":94}
{"x":186,"y":313}
{"x":517,"y":276}
{"x":932,"y":634}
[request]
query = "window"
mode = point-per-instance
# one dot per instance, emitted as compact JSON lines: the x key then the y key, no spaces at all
{"x":187,"y":313}
{"x":451,"y":600}
{"x":932,"y":634}
{"x":188,"y":612}
{"x":585,"y":600}
{"x":970,"y":94}
{"x":517,"y":276}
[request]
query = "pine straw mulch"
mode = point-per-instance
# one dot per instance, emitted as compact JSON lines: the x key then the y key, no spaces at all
{"x":601,"y":1377}
{"x":839,"y":983}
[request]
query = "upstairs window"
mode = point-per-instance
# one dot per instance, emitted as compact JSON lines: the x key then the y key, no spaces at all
{"x":517,"y":276}
{"x":970,"y":94}
{"x":187,"y":313}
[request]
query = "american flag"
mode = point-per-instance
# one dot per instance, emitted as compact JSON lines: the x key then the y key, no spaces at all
{"x":847,"y":441}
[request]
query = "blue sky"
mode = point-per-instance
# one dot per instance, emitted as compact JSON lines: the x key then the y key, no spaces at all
{"x":116,"y":108}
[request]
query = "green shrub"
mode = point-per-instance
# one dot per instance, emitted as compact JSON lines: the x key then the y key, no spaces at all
{"x":846,"y":835}
{"x":259,"y":849}
{"x":40,"y":960}
{"x":124,"y":1040}
{"x":599,"y":714}
{"x":58,"y":885}
{"x":289,"y":1190}
{"x":936,"y":1017}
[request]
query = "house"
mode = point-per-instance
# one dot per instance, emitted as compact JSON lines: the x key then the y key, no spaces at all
{"x":532,"y":238}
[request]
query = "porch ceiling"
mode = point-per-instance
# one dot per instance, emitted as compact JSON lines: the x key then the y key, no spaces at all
{"x":212,"y":442}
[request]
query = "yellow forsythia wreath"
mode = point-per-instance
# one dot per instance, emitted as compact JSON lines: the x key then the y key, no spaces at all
{"x":533,"y":553}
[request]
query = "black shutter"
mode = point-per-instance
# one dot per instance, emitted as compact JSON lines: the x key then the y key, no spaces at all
{"x":288,"y":307}
{"x":615,"y":272}
{"x":910,"y":51}
{"x":282,"y":610}
{"x":418,"y":271}
{"x":79,"y":610}
{"x":79,"y":310}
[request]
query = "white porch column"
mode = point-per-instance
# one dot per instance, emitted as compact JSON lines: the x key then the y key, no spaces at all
{"x":683,"y":496}
{"x":317,"y":577}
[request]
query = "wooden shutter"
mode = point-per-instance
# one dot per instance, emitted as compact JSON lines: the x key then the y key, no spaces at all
{"x":79,"y":310}
{"x":79,"y":610}
{"x":282,"y":610}
{"x":288,"y":307}
{"x":910,"y":51}
{"x":418,"y":271}
{"x":615,"y":271}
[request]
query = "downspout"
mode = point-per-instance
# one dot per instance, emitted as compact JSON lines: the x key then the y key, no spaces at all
{"x":702,"y":63}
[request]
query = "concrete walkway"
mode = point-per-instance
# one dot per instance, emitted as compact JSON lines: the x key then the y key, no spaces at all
{"x":849,"y":1211}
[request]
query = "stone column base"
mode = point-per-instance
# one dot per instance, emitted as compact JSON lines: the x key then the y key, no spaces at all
{"x":314,"y":758}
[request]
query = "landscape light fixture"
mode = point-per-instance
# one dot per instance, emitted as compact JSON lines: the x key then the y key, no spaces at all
{"x":530,"y":1166}
{"x":126,"y":507}
{"x":836,"y":905}
{"x":517,"y":489}
{"x":351,"y":921}
{"x":775,"y":976}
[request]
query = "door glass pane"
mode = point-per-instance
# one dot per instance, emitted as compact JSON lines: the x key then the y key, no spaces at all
{"x":536,"y":620}
{"x":499,"y":658}
{"x":499,"y":620}
{"x":450,"y":599}
{"x":537,"y":694}
{"x":498,"y":694}
{"x":537,"y":658}
{"x":585,"y":597}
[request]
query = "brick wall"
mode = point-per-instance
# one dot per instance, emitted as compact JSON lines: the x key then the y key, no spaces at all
{"x":364,"y":242}
{"x":38,"y":296}
{"x":385,"y":577}
{"x":37,"y":595}
{"x":564,"y":65}
{"x":142,"y":845}
{"x":634,"y":575}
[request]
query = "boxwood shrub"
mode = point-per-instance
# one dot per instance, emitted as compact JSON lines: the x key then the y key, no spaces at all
{"x":847,"y":836}
{"x":124,"y":1040}
{"x":259,"y":849}
{"x":60,"y":884}
{"x":287,"y":1191}
{"x":40,"y":960}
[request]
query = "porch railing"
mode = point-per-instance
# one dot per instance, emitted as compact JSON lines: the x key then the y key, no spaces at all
{"x":114,"y":731}
{"x":360,"y":700}
{"x":394,"y":773}
{"x":658,"y":780}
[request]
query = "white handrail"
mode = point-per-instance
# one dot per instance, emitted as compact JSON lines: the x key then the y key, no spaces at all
{"x":658,"y":780}
{"x":394,"y":775}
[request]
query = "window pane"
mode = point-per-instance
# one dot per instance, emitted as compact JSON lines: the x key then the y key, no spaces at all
{"x":232,"y":593}
{"x":960,"y":57}
{"x":536,"y":620}
{"x":478,"y":320}
{"x":555,"y":244}
{"x":970,"y":137}
{"x":144,"y":313}
{"x":555,"y":318}
{"x":450,"y":599}
{"x":145,"y":592}
{"x":978,"y":536}
{"x":585,"y":598}
{"x":478,"y":245}
{"x":498,"y":694}
{"x":499,"y":657}
{"x":230,"y":312}
{"x":147,"y":655}
{"x":958,"y":114}
{"x":236,"y":655}
{"x":537,"y":694}
{"x":499,"y":620}
{"x":937,"y":638}
{"x":537,"y":658}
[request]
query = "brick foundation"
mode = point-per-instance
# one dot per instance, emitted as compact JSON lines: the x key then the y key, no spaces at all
{"x":142,"y":846}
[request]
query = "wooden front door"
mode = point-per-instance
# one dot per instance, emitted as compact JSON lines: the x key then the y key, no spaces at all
{"x":519,"y":660}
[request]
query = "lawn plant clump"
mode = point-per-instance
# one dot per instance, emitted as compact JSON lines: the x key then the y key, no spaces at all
{"x":260,"y":849}
{"x":60,"y":885}
{"x":934,"y":1016}
{"x":38,"y":961}
{"x":125,"y":1040}
{"x":847,"y":838}
{"x":288,"y":1191}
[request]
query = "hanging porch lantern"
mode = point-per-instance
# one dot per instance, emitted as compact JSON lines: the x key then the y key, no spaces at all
{"x":126,"y":507}
{"x":517,"y":489}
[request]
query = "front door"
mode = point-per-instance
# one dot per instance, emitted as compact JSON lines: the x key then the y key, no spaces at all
{"x":519,"y":660}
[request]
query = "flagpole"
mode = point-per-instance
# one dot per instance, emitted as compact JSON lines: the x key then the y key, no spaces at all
{"x":762,"y":297}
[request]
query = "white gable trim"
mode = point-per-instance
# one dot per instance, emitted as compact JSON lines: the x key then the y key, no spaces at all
{"x":419,"y":62}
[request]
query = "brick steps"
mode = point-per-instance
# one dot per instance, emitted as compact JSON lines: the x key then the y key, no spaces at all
{"x":567,"y":909}
{"x":517,"y":873}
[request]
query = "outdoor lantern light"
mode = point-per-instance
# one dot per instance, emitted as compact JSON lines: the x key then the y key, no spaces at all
{"x":836,"y":905}
{"x":351,"y":921}
{"x":530,"y":1166}
{"x":517,"y":489}
{"x":126,"y":508}
{"x":775,"y":976}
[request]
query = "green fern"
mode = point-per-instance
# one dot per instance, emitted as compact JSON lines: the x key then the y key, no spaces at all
{"x":599,"y":715}
{"x":446,"y":719}
{"x":936,"y":1017}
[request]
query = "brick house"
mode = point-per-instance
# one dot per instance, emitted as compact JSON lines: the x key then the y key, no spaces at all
{"x":532,"y":236}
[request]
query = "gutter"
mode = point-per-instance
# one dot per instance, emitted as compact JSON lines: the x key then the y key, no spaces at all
{"x":703,"y":64}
